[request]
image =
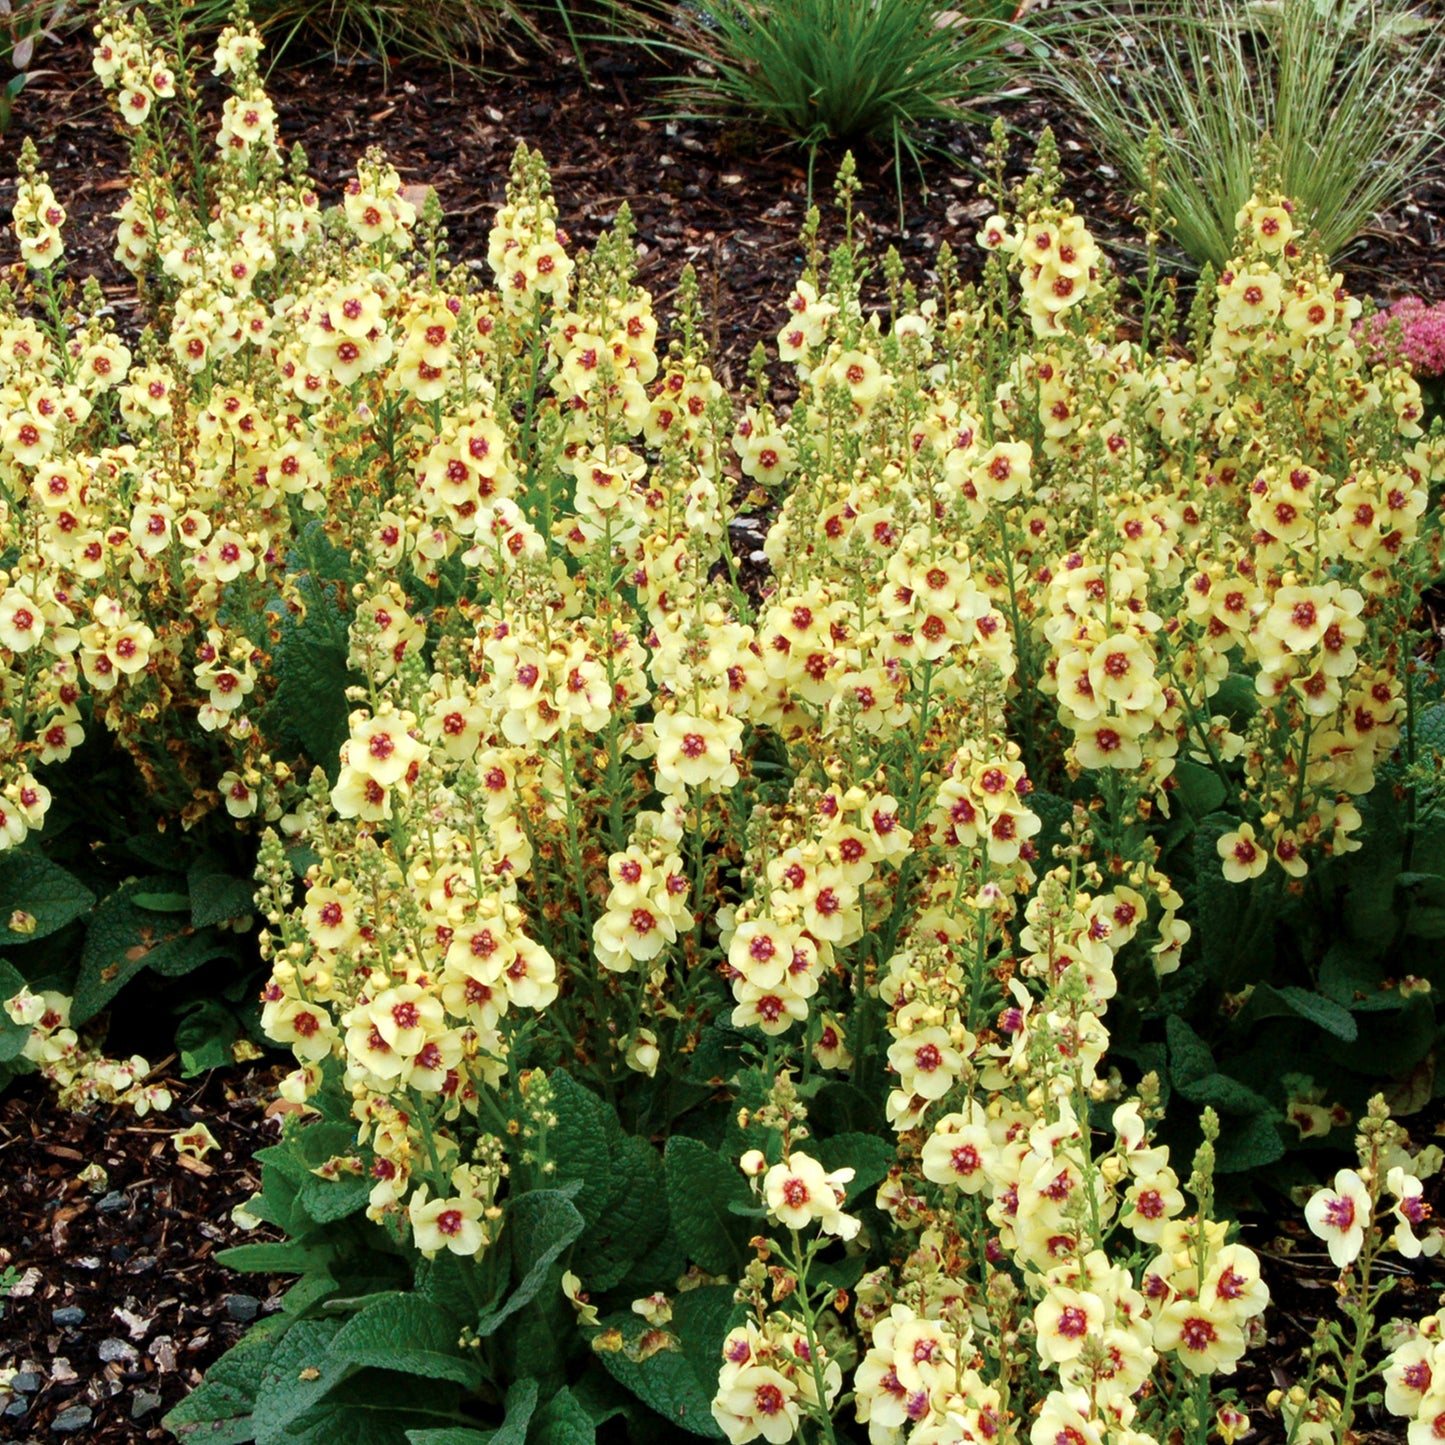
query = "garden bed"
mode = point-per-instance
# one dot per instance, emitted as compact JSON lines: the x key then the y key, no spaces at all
{"x":728,"y":199}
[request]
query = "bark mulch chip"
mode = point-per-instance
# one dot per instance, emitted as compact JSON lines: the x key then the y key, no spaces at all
{"x":726,"y":198}
{"x":120,"y":1305}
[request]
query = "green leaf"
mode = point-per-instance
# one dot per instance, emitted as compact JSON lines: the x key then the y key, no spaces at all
{"x":521,"y":1405}
{"x":679,"y":1380}
{"x":287,"y":1257}
{"x":542,"y":1224}
{"x":216,"y":896}
{"x":866,"y":1154}
{"x":1234,"y":921}
{"x":31,"y":883}
{"x":700,"y":1187}
{"x":12,"y":1035}
{"x":453,"y":1283}
{"x":407,"y":1333}
{"x":1236,"y":698}
{"x":297,"y":1376}
{"x":1329,"y":1015}
{"x":1396,"y":1044}
{"x":1189,"y":1056}
{"x":123,"y":939}
{"x":701,"y":1319}
{"x":1200,"y":790}
{"x":1224,"y":1094}
{"x":309,"y":709}
{"x":218,"y":1410}
{"x":1250,"y":1143}
{"x":563,"y":1421}
{"x":634,"y":1220}
{"x":1345,"y":971}
{"x":326,"y":1200}
{"x":582,"y":1144}
{"x":1430,"y":729}
{"x":620,"y":1196}
{"x":338,"y":1423}
{"x":308,"y":1292}
{"x":1426,"y":923}
{"x":205,"y":1035}
{"x":162,"y":902}
{"x":1268,"y":1002}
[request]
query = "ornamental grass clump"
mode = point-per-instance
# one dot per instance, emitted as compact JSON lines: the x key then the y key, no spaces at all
{"x":700,"y":1011}
{"x":1345,"y":97}
{"x":835,"y":70}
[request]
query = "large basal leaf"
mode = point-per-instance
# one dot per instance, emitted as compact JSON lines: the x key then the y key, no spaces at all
{"x":309,"y":710}
{"x":521,"y":1405}
{"x":563,"y":1421}
{"x":542,"y":1225}
{"x":31,"y":884}
{"x":123,"y":939}
{"x":407,"y":1333}
{"x":1292,"y":1002}
{"x":700,"y":1187}
{"x":216,"y":896}
{"x":218,"y":1411}
{"x":12,"y":1035}
{"x":676,"y":1374}
{"x":869,"y":1156}
{"x":296,"y":1377}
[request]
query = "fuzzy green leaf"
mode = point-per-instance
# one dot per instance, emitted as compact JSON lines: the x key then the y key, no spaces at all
{"x":679,"y":1380}
{"x":521,"y":1406}
{"x":218,"y":1410}
{"x":700,"y":1187}
{"x":407,"y":1333}
{"x":123,"y":939}
{"x":12,"y":1035}
{"x":563,"y":1421}
{"x":216,"y":896}
{"x":286,"y":1257}
{"x":542,"y":1225}
{"x":1248,"y":1143}
{"x":867,"y":1155}
{"x":1200,"y":789}
{"x":31,"y":883}
{"x":297,"y":1377}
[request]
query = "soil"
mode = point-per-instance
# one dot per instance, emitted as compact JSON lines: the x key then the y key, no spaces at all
{"x":137,"y":1256}
{"x":726,"y":198}
{"x":118,"y":1304}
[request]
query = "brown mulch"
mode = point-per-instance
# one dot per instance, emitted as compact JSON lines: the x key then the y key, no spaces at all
{"x":727,"y":198}
{"x":119,"y":1305}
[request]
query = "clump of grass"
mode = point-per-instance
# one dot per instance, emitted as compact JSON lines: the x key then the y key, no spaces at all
{"x":845,"y":70}
{"x":1345,"y":93}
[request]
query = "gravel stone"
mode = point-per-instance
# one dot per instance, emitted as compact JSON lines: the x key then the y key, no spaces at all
{"x":146,"y":1403}
{"x":243,"y":1308}
{"x":116,"y":1352}
{"x":68,"y":1316}
{"x":67,"y":1422}
{"x":27,"y":1382}
{"x":111,"y":1203}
